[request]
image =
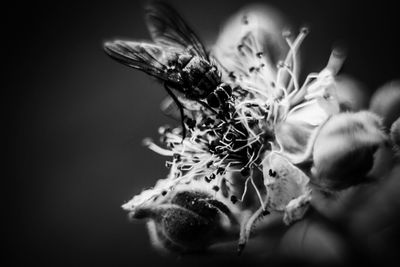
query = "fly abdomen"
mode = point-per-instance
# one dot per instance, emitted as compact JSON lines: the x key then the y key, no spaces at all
{"x":210,"y":80}
{"x":213,"y":76}
{"x":219,"y":96}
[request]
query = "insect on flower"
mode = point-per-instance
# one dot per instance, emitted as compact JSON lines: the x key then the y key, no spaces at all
{"x":251,"y":123}
{"x":177,"y":58}
{"x":220,"y":154}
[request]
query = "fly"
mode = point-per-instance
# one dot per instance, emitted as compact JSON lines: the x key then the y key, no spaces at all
{"x":177,"y":58}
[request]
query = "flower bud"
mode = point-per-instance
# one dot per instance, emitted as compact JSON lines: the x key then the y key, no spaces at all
{"x":386,"y":102}
{"x":351,"y":93}
{"x":344,"y":149}
{"x":185,"y":220}
{"x":189,"y":223}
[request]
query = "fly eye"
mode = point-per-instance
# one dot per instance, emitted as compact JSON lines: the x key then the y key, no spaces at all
{"x":213,"y":100}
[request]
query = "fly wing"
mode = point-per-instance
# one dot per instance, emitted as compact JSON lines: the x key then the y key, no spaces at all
{"x":167,"y":28}
{"x":170,"y":108}
{"x":149,"y":58}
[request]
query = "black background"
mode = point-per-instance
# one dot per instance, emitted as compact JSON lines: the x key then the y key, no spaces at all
{"x":78,"y":118}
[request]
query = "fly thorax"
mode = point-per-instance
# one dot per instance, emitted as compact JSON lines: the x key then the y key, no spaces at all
{"x":201,"y":77}
{"x":184,"y":59}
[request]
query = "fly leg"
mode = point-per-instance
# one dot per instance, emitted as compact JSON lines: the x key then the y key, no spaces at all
{"x":180,"y":107}
{"x":207,"y":106}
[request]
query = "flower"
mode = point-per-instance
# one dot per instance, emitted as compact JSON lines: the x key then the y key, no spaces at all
{"x":256,"y":144}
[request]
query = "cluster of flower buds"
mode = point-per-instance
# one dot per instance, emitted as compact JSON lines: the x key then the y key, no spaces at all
{"x":259,"y":144}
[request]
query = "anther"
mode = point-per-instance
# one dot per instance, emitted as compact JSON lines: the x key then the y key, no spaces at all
{"x":234,"y":199}
{"x":177,"y":156}
{"x":265,"y":212}
{"x":215,"y":188}
{"x":208,"y":165}
{"x":286,"y":34}
{"x":163,"y":139}
{"x":304,"y":30}
{"x":190,"y":123}
{"x":245,"y":20}
{"x":168,"y":164}
{"x":166,"y":129}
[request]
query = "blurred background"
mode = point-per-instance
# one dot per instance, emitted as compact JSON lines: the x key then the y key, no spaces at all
{"x":78,"y":118}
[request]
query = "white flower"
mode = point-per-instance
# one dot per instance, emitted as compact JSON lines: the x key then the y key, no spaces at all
{"x":273,"y":119}
{"x":246,"y":154}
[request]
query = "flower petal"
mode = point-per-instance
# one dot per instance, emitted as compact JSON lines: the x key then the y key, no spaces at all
{"x":287,"y":187}
{"x":250,"y":44}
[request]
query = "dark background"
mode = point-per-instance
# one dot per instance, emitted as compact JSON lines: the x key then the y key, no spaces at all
{"x":77,"y":118}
